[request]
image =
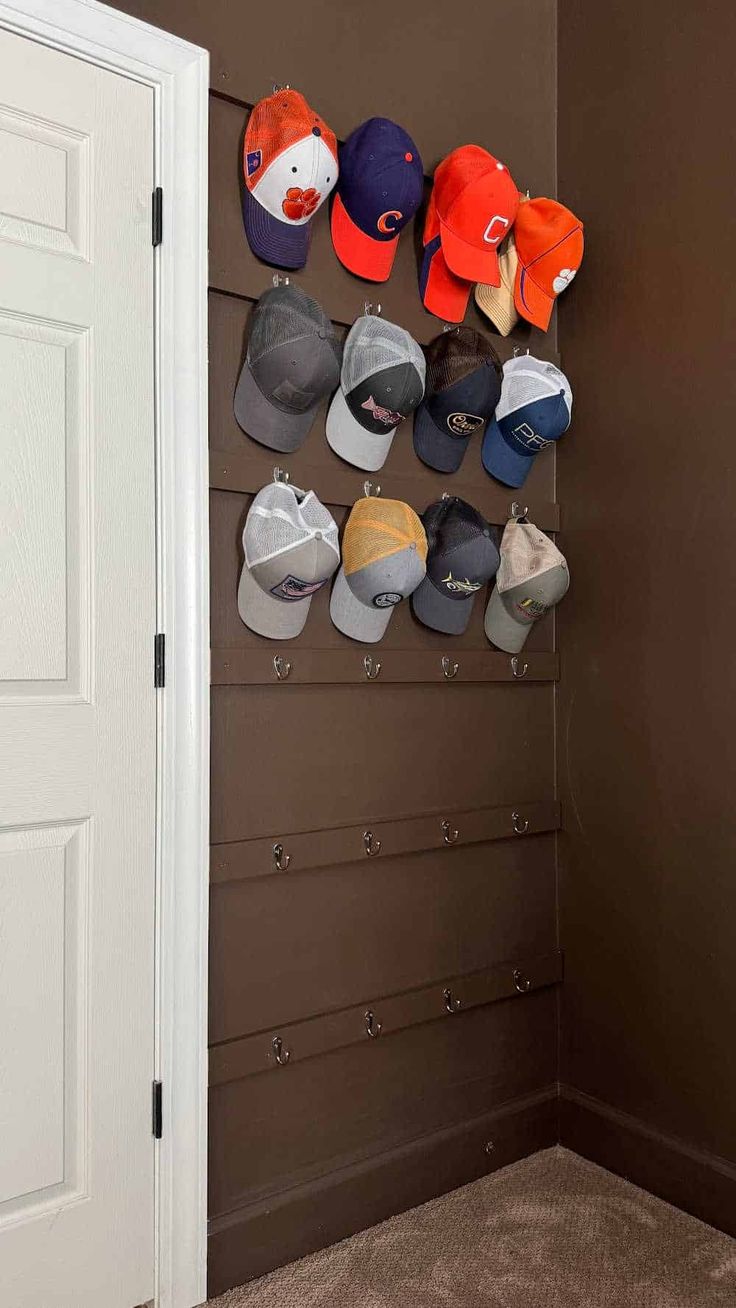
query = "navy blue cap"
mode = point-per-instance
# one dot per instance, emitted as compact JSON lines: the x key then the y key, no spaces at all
{"x":534,"y":411}
{"x":463,"y":389}
{"x":380,"y":188}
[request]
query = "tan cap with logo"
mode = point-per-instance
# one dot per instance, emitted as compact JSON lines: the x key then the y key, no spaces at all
{"x":497,"y":302}
{"x":531,"y":577}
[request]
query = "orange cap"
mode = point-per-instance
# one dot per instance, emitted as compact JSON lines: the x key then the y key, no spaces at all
{"x":549,"y":245}
{"x":476,"y":201}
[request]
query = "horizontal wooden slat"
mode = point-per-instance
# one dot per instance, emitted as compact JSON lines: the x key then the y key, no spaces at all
{"x":301,"y":851}
{"x":390,"y":1013}
{"x":256,"y":667}
{"x":252,"y":467}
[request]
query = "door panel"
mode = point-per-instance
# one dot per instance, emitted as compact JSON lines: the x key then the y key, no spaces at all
{"x":77,"y":703}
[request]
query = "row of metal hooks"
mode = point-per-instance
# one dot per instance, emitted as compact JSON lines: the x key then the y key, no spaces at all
{"x":372,"y":844}
{"x":516,"y":510}
{"x":372,"y":667}
{"x":451,"y":1003}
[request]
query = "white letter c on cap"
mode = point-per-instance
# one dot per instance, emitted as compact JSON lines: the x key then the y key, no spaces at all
{"x":487,"y":235}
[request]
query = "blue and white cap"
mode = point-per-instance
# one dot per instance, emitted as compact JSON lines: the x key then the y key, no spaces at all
{"x":535,"y":409}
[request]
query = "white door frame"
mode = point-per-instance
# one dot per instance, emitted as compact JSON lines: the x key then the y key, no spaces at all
{"x":179,"y":75}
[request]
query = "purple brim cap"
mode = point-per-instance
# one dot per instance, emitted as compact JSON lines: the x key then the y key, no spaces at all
{"x":284,"y":244}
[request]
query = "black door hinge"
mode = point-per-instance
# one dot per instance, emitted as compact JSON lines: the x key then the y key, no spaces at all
{"x":159,"y":659}
{"x":158,"y":1111}
{"x":157,"y":216}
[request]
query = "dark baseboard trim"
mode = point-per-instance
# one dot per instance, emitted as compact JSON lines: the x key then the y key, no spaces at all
{"x":698,"y":1182}
{"x":261,"y":1236}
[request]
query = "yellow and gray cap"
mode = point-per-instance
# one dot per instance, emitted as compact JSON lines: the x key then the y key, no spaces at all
{"x":384,"y":552}
{"x":532,"y":576}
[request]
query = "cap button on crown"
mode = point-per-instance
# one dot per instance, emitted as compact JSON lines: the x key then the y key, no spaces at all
{"x":409,"y":157}
{"x":316,"y":131}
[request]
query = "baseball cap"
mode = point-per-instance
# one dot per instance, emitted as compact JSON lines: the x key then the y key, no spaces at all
{"x":291,"y":549}
{"x":532,"y":576}
{"x":380,"y":189}
{"x":293,"y":361}
{"x":549,"y":243}
{"x":463,"y":389}
{"x":462,"y":556}
{"x":497,"y":302}
{"x":382,"y":382}
{"x":476,"y":200}
{"x":442,"y":293}
{"x":535,"y":409}
{"x":289,"y":168}
{"x":384,"y":553}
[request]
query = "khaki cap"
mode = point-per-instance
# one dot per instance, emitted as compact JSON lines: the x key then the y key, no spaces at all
{"x":497,"y":302}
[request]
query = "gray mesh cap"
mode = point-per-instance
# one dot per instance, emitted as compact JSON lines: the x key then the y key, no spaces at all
{"x":384,"y":552}
{"x":293,"y":362}
{"x":531,"y":577}
{"x":291,"y":549}
{"x":382,"y":382}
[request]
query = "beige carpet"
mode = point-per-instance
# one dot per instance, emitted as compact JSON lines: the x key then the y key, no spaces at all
{"x":553,"y":1231}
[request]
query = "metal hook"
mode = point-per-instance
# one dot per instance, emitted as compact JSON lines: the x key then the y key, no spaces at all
{"x":370,"y":308}
{"x":518,"y":351}
{"x":449,"y":833}
{"x":517,"y":511}
{"x":281,"y":1055}
{"x":370,"y":489}
{"x":450,"y":327}
{"x":449,"y":668}
{"x":446,"y":495}
{"x":278,"y":280}
{"x":371,"y":844}
{"x":280,"y":474}
{"x":521,"y":825}
{"x":281,"y":667}
{"x":522,"y":983}
{"x":372,"y":670}
{"x":280,"y":859}
{"x":518,"y":671}
{"x":277,"y":86}
{"x":372,"y":1027}
{"x":452,"y":1004}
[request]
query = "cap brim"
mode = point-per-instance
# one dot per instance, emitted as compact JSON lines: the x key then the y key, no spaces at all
{"x":351,"y":441}
{"x":501,"y":461}
{"x":266,"y":424}
{"x":276,"y":619}
{"x":467,"y":261}
{"x":531,"y":302}
{"x":497,"y":303}
{"x":502,"y":628}
{"x":284,"y":244}
{"x":353,"y":618}
{"x":359,"y":253}
{"x":434,"y":446}
{"x":437,"y":611}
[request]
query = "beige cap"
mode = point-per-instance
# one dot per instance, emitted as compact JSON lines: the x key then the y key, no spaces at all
{"x":497,"y":302}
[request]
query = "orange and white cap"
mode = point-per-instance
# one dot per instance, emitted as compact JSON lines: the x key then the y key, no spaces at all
{"x":289,"y":168}
{"x":549,"y":246}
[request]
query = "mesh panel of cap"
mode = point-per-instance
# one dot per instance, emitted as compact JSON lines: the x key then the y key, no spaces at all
{"x":285,"y":314}
{"x":281,"y":517}
{"x":526,"y":380}
{"x":525,"y":552}
{"x":453,"y":355}
{"x":377,"y":528}
{"x":374,"y":344}
{"x":451,"y":523}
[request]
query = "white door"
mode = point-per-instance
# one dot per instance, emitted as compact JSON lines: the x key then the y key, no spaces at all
{"x":77,"y":702}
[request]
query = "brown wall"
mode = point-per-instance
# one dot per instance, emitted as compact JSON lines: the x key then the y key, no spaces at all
{"x":647,"y":752}
{"x":353,"y":1128}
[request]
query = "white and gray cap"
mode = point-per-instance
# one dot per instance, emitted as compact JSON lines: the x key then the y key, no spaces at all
{"x":532,"y":576}
{"x":292,"y":363}
{"x":382,"y":382}
{"x":291,"y":549}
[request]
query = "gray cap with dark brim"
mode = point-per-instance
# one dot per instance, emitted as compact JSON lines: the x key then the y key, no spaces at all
{"x":259,"y":418}
{"x":439,"y":611}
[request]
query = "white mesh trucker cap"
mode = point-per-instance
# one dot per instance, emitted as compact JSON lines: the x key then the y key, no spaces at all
{"x":532,"y":576}
{"x":382,"y":382}
{"x":291,"y":549}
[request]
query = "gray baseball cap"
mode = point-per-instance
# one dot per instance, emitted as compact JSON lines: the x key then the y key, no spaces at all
{"x":384,"y":554}
{"x":462,"y":556}
{"x":532,"y":576}
{"x":291,"y":548}
{"x":293,"y":362}
{"x":381,"y":383}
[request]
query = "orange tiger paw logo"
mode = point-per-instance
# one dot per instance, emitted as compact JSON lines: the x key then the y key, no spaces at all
{"x":299,"y":203}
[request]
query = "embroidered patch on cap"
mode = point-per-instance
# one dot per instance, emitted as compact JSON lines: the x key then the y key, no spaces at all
{"x":292,"y":588}
{"x":253,"y":161}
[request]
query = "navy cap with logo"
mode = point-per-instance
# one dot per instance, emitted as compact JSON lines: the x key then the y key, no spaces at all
{"x":379,"y":190}
{"x":462,"y":556}
{"x":463,"y":388}
{"x":535,"y":410}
